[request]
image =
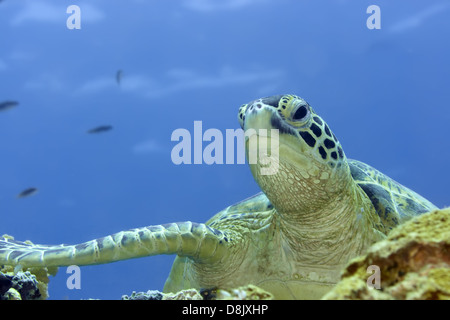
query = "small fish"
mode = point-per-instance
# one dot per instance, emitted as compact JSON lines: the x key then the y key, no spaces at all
{"x":5,"y":105}
{"x":119,"y":75}
{"x":100,"y":129}
{"x":27,"y":192}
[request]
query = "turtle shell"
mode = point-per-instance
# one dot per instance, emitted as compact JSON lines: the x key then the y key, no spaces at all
{"x":393,"y":202}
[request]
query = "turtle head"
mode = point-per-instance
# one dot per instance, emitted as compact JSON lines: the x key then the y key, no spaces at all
{"x":311,"y":165}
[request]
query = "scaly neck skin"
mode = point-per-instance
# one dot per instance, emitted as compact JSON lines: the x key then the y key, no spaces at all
{"x":322,"y":221}
{"x":332,"y":235}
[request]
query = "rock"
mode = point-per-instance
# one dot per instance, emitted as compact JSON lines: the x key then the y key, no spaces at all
{"x":412,"y":263}
{"x":30,"y":283}
{"x":249,"y":292}
{"x":190,"y":294}
{"x":11,"y":294}
{"x":20,"y":286}
{"x":149,"y":295}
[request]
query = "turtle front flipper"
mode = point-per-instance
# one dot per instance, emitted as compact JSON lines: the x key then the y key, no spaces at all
{"x":188,"y":239}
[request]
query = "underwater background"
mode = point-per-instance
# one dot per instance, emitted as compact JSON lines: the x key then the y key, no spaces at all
{"x":147,"y":68}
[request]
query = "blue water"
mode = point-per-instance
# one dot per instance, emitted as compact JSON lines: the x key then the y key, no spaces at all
{"x":384,"y":92}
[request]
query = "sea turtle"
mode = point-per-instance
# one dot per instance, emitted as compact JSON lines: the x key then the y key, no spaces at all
{"x":316,"y":211}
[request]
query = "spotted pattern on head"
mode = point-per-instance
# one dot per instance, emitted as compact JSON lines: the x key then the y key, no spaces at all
{"x":297,"y":117}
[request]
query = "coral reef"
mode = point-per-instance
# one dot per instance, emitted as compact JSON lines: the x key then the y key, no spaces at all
{"x":21,"y":286}
{"x":249,"y":292}
{"x":413,"y":263}
{"x":189,"y":294}
{"x":18,"y":283}
{"x":149,"y":295}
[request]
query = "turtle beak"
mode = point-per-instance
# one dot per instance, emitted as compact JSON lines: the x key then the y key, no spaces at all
{"x":258,"y":116}
{"x":261,"y":139}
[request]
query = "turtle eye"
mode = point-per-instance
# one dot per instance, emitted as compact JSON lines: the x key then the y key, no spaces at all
{"x":300,"y":113}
